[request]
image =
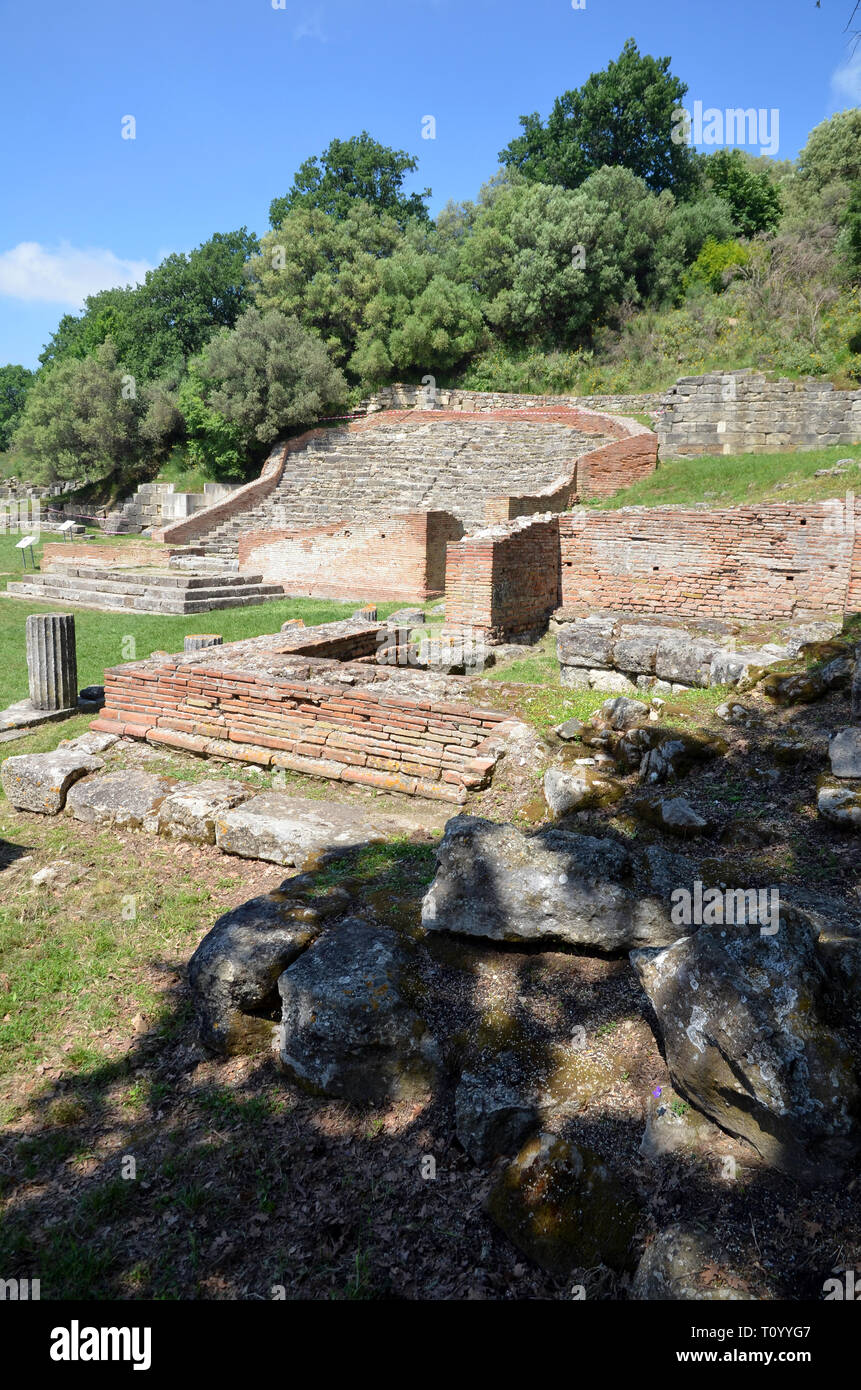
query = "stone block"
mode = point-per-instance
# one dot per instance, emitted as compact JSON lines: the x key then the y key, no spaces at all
{"x":40,"y":781}
{"x":636,"y":646}
{"x":844,"y":752}
{"x":127,"y":799}
{"x":192,"y":810}
{"x":682,"y":659}
{"x":291,"y":830}
{"x":586,"y":643}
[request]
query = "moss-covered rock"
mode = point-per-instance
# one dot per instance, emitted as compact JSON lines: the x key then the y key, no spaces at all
{"x":582,"y":789}
{"x":801,"y":688}
{"x":563,"y":1207}
{"x":677,"y":753}
{"x":839,"y":802}
{"x":739,"y":1011}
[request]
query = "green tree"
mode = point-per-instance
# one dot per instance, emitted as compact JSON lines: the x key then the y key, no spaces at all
{"x":159,"y":325}
{"x":620,"y":116}
{"x":714,"y":261}
{"x":550,"y":263}
{"x":421,"y":320}
{"x":15,"y":383}
{"x":83,"y":418}
{"x":80,"y":335}
{"x":347,"y":170}
{"x":325,"y":271}
{"x":252,"y":384}
{"x":850,"y":238}
{"x":750,"y":193}
{"x":215,"y":444}
{"x":833,"y":151}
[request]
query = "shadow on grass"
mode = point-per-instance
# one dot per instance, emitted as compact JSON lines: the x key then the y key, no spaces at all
{"x":243,"y":1186}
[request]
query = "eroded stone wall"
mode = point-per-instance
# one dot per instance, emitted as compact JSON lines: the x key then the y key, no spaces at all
{"x":402,"y":396}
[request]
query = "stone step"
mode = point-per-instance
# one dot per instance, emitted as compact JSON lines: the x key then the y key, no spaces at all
{"x":138,"y":581}
{"x":178,"y":601}
{"x":409,"y":466}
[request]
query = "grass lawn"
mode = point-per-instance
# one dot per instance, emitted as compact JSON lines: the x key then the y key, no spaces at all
{"x":103,"y":638}
{"x":724,"y":480}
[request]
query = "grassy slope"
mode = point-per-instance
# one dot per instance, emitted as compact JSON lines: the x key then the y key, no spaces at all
{"x":728,"y":479}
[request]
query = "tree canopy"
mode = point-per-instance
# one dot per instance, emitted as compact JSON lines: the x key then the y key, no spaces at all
{"x":15,"y":383}
{"x":253,"y":383}
{"x":157,"y":326}
{"x":622,"y":116}
{"x":752,"y":196}
{"x":325,"y":270}
{"x":85,"y":420}
{"x":349,"y":170}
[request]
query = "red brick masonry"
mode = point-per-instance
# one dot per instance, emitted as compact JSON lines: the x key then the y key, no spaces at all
{"x":507,"y":585}
{"x":771,"y":561}
{"x":307,"y":723}
{"x":399,"y":560}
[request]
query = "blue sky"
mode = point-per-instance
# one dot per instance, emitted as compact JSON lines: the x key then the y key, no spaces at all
{"x":229,"y":96}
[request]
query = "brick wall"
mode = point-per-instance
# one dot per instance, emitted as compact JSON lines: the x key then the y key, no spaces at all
{"x":58,"y":554}
{"x":307,"y":722}
{"x":617,"y":465}
{"x":768,"y":562}
{"x":504,"y":582}
{"x":392,"y":560}
{"x":775,"y":561}
{"x":744,"y":412}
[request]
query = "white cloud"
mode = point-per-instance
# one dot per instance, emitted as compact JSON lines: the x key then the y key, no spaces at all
{"x":65,"y":275}
{"x":846,"y":80}
{"x":311,"y":27}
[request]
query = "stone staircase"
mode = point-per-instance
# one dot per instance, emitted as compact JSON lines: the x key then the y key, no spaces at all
{"x":157,"y":504}
{"x":145,"y":591}
{"x":400,"y":467}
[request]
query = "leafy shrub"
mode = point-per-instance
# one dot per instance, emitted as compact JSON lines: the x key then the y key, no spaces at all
{"x":251,"y":384}
{"x":715,"y":261}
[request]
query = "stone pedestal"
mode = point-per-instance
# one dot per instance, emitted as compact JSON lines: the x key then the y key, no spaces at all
{"x":51,"y":661}
{"x":856,"y":687}
{"x":202,"y":639}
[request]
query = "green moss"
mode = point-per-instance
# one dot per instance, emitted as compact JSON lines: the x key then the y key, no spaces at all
{"x":563,"y":1208}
